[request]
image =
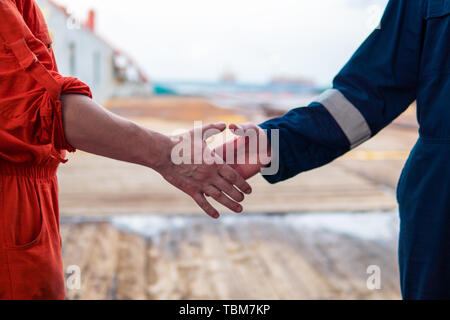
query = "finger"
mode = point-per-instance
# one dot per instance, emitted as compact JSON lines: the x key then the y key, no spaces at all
{"x":241,"y":129}
{"x":205,"y":205}
{"x":212,"y":129}
{"x":229,"y":189}
{"x":234,"y":127}
{"x":234,"y":178}
{"x":220,"y":197}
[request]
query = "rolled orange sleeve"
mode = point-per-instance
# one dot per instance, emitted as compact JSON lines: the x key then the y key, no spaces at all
{"x":31,"y":127}
{"x":69,"y":85}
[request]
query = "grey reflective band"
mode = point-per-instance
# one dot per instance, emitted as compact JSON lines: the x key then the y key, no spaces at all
{"x":348,"y":117}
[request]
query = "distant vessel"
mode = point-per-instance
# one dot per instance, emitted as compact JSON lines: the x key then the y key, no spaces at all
{"x":228,"y":77}
{"x":293,"y":81}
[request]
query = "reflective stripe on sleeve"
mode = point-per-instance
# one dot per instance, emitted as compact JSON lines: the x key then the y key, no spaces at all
{"x":347,"y":116}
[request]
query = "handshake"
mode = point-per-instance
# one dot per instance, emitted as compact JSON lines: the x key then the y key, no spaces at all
{"x":220,"y":173}
{"x":184,"y":160}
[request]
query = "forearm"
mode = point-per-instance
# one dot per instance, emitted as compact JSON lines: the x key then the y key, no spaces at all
{"x":91,"y":128}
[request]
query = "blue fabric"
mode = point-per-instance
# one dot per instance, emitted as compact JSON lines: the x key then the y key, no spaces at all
{"x":407,"y":59}
{"x":309,"y":138}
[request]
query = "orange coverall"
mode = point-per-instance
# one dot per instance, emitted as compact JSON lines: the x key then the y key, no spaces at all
{"x":32,"y":145}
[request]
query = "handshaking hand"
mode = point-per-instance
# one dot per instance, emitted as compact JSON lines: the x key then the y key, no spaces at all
{"x":249,"y":152}
{"x":91,"y":128}
{"x":198,"y":171}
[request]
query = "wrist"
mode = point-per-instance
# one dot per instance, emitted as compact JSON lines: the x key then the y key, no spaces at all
{"x":157,"y":151}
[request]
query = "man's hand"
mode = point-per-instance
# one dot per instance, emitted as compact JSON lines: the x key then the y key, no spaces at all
{"x":201,"y":172}
{"x":248,"y":153}
{"x":91,"y":128}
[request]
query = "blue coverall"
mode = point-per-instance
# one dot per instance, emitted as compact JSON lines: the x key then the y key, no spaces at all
{"x":406,"y":59}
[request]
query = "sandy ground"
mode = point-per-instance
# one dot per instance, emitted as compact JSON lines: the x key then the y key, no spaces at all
{"x":245,"y":258}
{"x":197,"y":258}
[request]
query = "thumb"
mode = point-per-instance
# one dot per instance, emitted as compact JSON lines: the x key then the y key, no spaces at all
{"x":212,"y":129}
{"x":241,"y":129}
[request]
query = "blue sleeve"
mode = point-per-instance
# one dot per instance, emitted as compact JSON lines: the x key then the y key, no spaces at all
{"x":377,"y":84}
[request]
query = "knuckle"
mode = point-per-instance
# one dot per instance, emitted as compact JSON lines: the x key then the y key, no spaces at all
{"x":197,"y":198}
{"x":240,"y":181}
{"x":228,"y":188}
{"x":195,"y":191}
{"x":229,"y":175}
{"x":216,"y":193}
{"x":227,"y":203}
{"x":202,"y":175}
{"x":224,"y":200}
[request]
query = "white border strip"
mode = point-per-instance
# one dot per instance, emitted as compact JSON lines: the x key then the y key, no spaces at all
{"x":348,"y":117}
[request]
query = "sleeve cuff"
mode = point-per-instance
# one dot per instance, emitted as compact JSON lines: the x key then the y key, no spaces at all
{"x":69,"y":85}
{"x":277,"y":157}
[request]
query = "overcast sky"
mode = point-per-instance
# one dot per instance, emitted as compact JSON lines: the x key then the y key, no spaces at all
{"x":255,"y":39}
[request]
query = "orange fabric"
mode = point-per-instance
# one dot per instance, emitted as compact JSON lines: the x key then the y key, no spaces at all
{"x":32,"y":144}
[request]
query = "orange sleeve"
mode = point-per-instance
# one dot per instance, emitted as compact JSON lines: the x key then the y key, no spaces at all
{"x":33,"y":17}
{"x":30,"y":87}
{"x":69,"y":85}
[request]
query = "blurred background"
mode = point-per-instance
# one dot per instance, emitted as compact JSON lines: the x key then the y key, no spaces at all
{"x":166,"y":64}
